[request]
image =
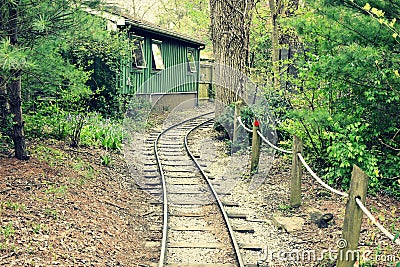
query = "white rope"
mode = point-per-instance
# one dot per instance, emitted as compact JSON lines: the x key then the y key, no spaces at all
{"x":377,"y":224}
{"x":263,"y":138}
{"x":272,"y":145}
{"x":242,"y":124}
{"x":319,"y":179}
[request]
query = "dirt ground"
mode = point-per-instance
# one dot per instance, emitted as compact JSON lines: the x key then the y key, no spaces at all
{"x":64,"y":208}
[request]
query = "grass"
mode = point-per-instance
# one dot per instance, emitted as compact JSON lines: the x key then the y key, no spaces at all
{"x":8,"y":230}
{"x":15,"y":206}
{"x":52,"y":156}
{"x":51,"y":213}
{"x":58,"y":192}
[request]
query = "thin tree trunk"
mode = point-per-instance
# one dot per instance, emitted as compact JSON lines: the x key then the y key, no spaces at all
{"x":4,"y":107}
{"x":275,"y":42}
{"x":18,"y":123}
{"x":14,"y":89}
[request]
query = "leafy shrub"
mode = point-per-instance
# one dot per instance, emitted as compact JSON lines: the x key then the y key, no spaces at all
{"x":99,"y":132}
{"x":48,"y":121}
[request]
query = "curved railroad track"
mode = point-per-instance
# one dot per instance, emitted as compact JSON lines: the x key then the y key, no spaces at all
{"x":196,"y":229}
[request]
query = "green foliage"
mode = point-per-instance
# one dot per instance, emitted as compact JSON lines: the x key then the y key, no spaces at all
{"x":58,"y":192}
{"x":8,"y":230}
{"x":343,"y":97}
{"x":99,"y":132}
{"x":54,"y":157}
{"x":106,"y":159}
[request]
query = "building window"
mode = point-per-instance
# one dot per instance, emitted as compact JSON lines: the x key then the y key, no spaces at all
{"x":138,"y":59}
{"x":158,"y":63}
{"x":191,"y":61}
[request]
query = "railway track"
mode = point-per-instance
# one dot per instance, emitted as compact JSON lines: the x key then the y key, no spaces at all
{"x":196,"y":229}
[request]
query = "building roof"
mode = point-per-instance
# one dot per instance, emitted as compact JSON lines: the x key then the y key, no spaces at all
{"x":122,"y":19}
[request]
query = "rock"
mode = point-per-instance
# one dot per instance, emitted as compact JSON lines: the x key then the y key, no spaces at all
{"x":321,"y":220}
{"x":289,"y":224}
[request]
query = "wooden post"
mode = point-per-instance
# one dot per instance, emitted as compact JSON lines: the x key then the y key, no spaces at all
{"x":348,"y":246}
{"x":297,"y":173}
{"x":255,"y":147}
{"x":236,"y":125}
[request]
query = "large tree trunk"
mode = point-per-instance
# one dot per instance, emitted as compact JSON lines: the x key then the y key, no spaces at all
{"x":230,"y":32}
{"x":14,"y":89}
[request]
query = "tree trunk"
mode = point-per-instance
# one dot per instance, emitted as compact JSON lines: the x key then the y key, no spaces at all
{"x":4,"y":107}
{"x":16,"y":110}
{"x":273,"y":4}
{"x":230,"y":33}
{"x":14,"y":89}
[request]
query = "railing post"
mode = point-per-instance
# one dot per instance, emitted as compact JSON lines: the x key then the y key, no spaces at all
{"x":348,"y":246}
{"x":255,"y":147}
{"x":235,"y":145}
{"x":297,"y":173}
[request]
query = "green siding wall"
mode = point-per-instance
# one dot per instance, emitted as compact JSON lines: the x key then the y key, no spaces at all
{"x":175,"y":78}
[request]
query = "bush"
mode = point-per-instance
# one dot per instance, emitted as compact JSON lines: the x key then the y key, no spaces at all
{"x":89,"y":129}
{"x":99,"y":132}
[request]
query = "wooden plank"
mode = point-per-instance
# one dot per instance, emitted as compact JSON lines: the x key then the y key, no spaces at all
{"x":249,"y":246}
{"x":184,"y":182}
{"x":212,"y":245}
{"x":243,"y":229}
{"x":187,"y":214}
{"x":237,"y":215}
{"x":229,"y":203}
{"x":191,"y":228}
{"x":197,"y":192}
{"x":201,"y":265}
{"x":180,"y":174}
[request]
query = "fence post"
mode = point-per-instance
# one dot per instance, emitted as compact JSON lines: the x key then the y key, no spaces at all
{"x":297,"y":173}
{"x":255,"y":147}
{"x":236,"y":126}
{"x":348,"y":246}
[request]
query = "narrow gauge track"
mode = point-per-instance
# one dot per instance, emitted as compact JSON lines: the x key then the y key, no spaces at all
{"x":196,"y":229}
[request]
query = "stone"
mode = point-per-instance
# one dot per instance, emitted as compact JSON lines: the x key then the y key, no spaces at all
{"x":289,"y":224}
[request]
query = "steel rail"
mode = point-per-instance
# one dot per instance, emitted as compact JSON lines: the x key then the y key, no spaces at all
{"x":215,"y":194}
{"x":164,"y":188}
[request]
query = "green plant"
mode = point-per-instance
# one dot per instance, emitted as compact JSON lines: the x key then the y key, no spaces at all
{"x":51,"y":213}
{"x":14,"y":206}
{"x":99,"y":132}
{"x":106,"y":159}
{"x":57,"y":191}
{"x":51,"y":155}
{"x":84,"y":169}
{"x":284,"y":208}
{"x":8,"y":230}
{"x":36,"y":228}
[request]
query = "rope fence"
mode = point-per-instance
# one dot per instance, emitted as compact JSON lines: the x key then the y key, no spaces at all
{"x":319,"y":180}
{"x":377,"y":224}
{"x":356,"y":197}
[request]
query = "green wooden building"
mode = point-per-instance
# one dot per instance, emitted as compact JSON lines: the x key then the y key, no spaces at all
{"x":164,"y":66}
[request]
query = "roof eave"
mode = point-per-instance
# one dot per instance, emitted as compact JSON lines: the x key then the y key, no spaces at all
{"x":165,"y":32}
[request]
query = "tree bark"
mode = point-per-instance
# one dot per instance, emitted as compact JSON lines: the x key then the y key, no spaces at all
{"x":4,"y":107}
{"x":14,"y":89}
{"x":230,"y":33}
{"x":16,"y":110}
{"x":273,"y":4}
